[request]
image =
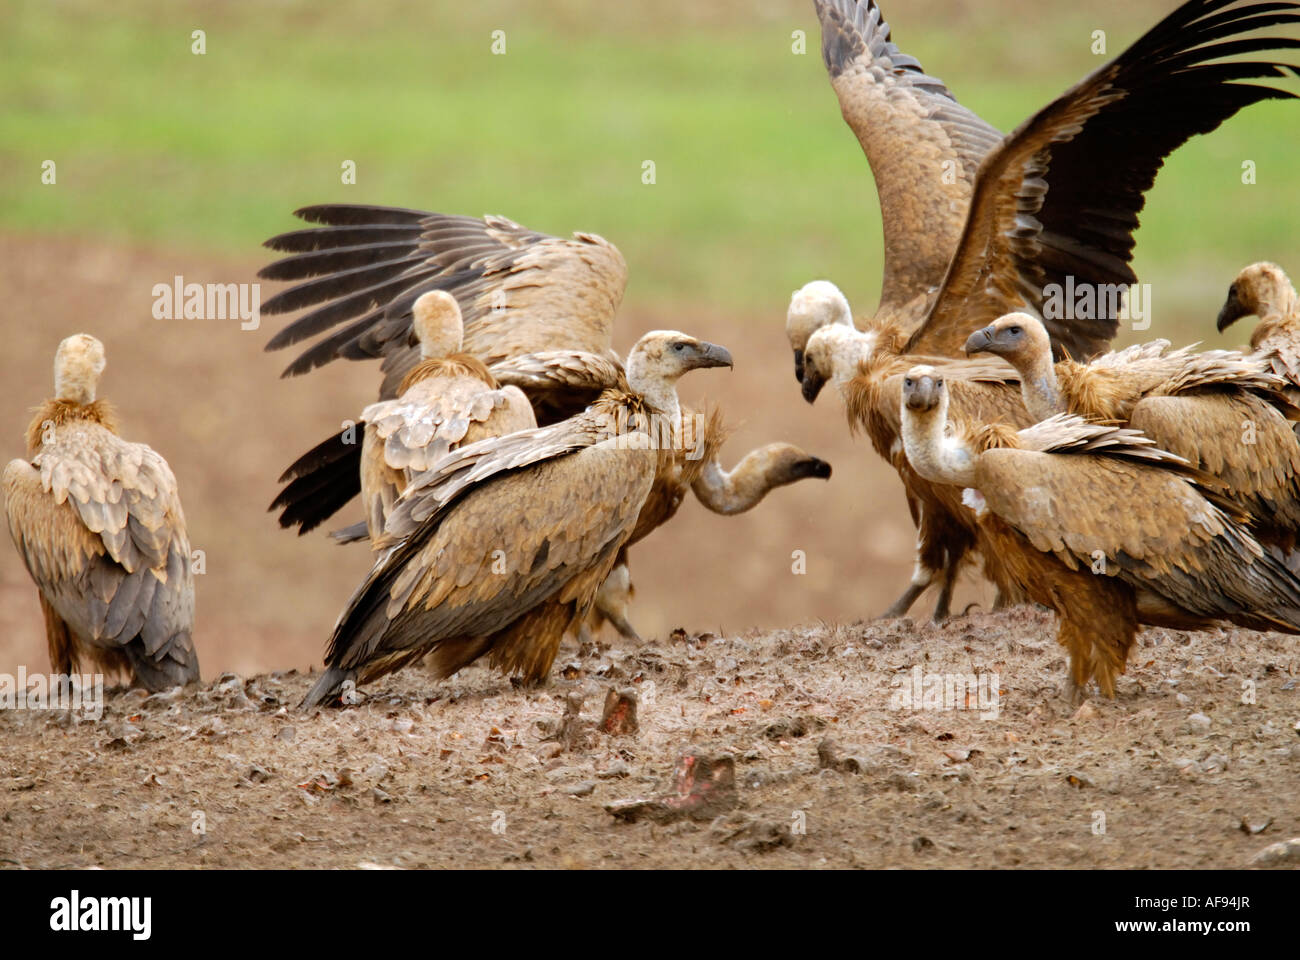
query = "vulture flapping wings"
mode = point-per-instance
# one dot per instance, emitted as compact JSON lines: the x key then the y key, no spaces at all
{"x":1058,"y":200}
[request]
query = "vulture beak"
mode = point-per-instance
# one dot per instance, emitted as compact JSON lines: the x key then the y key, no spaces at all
{"x":710,"y":355}
{"x":980,"y":341}
{"x":1233,"y":310}
{"x":798,"y":365}
{"x":813,"y":467}
{"x":812,"y":385}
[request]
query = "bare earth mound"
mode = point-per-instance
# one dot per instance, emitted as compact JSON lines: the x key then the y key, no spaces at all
{"x":803,"y":751}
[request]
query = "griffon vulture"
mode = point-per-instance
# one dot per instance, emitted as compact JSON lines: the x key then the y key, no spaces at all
{"x":1263,"y":289}
{"x":999,"y":222}
{"x":1221,"y":411}
{"x":502,"y":546}
{"x":1057,"y":499}
{"x":98,"y":522}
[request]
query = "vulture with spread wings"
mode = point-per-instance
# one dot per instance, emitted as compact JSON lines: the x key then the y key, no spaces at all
{"x":1053,"y":204}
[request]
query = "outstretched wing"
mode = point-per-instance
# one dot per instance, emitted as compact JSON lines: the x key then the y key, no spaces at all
{"x":1058,"y":201}
{"x":519,"y":291}
{"x":99,"y":524}
{"x":923,"y":146}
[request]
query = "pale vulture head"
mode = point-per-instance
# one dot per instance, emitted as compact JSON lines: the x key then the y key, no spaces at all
{"x":78,"y":365}
{"x":438,"y":324}
{"x":923,"y":389}
{"x":1019,"y":338}
{"x":661,"y":357}
{"x":1259,"y":289}
{"x":813,"y":306}
{"x":784,"y":463}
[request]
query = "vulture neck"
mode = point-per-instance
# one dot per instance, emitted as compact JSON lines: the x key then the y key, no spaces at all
{"x":1275,"y":305}
{"x":850,"y":347}
{"x":660,"y":396}
{"x":932,"y":452}
{"x":740,"y":488}
{"x":1039,"y":387}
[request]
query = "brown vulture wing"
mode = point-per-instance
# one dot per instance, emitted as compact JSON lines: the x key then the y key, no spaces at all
{"x":519,"y":291}
{"x":1059,"y":198}
{"x":923,"y":146}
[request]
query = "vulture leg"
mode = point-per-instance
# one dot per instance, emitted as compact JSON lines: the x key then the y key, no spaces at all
{"x":613,"y":599}
{"x":921,"y":579}
{"x":943,"y":607}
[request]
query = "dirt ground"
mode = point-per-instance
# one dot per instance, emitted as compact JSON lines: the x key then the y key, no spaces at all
{"x":831,"y":768}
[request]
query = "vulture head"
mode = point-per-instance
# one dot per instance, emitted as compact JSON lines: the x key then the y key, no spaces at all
{"x":1019,"y":338}
{"x":1259,"y":289}
{"x":661,"y":357}
{"x":923,"y":389}
{"x":78,"y":365}
{"x":437,"y":324}
{"x":813,"y":306}
{"x":785,"y":463}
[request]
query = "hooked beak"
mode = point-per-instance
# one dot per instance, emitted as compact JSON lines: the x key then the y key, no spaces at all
{"x":711,"y":355}
{"x":812,"y":385}
{"x":980,"y":341}
{"x":919,"y":400}
{"x":798,"y":365}
{"x":1233,"y":310}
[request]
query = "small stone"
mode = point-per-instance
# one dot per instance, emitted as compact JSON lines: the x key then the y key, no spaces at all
{"x":583,"y":789}
{"x":287,"y":732}
{"x":1199,"y":723}
{"x":403,"y":725}
{"x":380,"y":795}
{"x":616,"y":769}
{"x":1278,"y":854}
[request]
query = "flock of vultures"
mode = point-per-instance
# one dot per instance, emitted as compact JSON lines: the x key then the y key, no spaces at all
{"x":513,"y":458}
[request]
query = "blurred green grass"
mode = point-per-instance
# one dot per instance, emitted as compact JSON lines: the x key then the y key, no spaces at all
{"x":759,"y":186}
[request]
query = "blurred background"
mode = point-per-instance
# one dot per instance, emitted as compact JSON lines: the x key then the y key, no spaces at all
{"x":172,"y":163}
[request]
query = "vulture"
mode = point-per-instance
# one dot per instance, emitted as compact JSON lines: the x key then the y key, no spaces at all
{"x":537,"y":311}
{"x":446,"y":400}
{"x":1263,"y":289}
{"x":98,"y":523}
{"x":1057,"y":499}
{"x":998,"y":223}
{"x":503,"y":544}
{"x":1222,"y":412}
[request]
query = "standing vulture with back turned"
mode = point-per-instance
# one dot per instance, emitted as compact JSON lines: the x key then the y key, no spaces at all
{"x":977,"y":225}
{"x":98,"y":522}
{"x":503,"y":545}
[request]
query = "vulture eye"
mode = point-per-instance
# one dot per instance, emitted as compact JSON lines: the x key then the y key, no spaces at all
{"x":679,"y":346}
{"x":907,"y":382}
{"x":1015,"y":331}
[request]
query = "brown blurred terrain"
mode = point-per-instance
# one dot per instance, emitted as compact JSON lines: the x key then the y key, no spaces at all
{"x":206,"y":395}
